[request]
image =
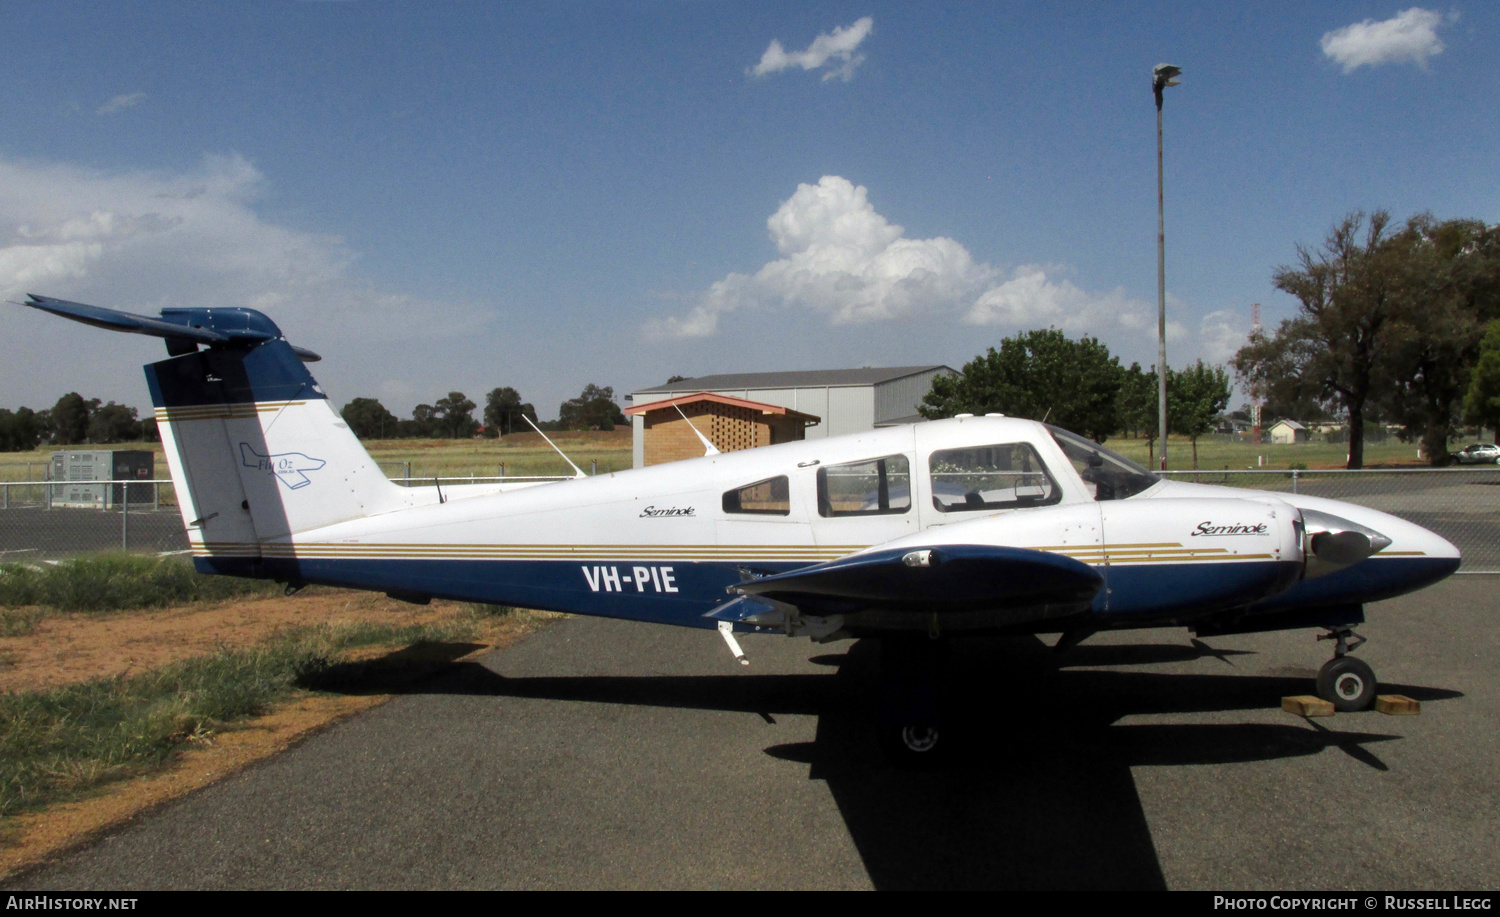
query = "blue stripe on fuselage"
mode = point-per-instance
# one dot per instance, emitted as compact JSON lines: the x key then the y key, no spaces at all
{"x":661,"y":592}
{"x":1370,"y":580}
{"x":1167,"y":590}
{"x":681,"y":593}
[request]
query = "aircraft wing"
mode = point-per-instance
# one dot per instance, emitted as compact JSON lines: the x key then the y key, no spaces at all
{"x":948,"y":579}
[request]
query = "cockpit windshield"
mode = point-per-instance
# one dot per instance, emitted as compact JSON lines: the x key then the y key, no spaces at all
{"x":1112,"y":476}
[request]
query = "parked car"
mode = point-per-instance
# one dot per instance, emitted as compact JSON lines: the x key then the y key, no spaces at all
{"x":1478,"y":454}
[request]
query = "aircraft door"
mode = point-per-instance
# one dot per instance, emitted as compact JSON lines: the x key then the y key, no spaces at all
{"x":864,"y":502}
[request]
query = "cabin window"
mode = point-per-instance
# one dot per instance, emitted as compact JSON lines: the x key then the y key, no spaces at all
{"x":1109,"y":475}
{"x":1007,"y":476}
{"x":771,"y":497}
{"x":869,"y":488}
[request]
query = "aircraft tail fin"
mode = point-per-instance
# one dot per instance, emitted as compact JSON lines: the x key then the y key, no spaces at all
{"x":256,"y":451}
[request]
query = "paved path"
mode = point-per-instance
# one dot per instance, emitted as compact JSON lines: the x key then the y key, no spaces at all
{"x":602,"y":754}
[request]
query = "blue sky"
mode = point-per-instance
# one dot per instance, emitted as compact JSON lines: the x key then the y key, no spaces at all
{"x":544,"y":195}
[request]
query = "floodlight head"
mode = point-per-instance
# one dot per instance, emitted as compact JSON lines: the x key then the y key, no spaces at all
{"x":1162,"y":76}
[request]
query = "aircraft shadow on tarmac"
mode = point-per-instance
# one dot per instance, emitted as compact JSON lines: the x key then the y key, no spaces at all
{"x":1039,"y":791}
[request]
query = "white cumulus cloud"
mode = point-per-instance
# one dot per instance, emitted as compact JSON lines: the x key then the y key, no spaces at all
{"x":1410,"y":35}
{"x":843,"y":260}
{"x":120,"y":103}
{"x":837,"y":50}
{"x":139,"y":241}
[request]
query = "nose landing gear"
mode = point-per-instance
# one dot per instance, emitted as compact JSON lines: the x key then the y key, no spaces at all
{"x":1347,"y":683}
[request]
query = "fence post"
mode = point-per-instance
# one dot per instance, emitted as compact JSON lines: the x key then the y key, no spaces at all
{"x":502,"y":469}
{"x":595,"y":466}
{"x":124,"y":516}
{"x":1294,"y":480}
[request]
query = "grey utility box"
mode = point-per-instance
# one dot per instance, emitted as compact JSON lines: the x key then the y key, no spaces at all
{"x":74,"y":475}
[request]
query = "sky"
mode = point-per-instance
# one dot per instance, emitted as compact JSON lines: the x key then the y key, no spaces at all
{"x":462,"y":196}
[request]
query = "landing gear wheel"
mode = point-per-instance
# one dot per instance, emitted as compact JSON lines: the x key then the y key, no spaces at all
{"x":1347,"y":683}
{"x":910,"y":727}
{"x":915,"y":746}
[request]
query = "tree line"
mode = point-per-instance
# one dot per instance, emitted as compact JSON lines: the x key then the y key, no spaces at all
{"x":1390,"y":327}
{"x":73,"y":421}
{"x":1079,"y":386}
{"x":504,"y":413}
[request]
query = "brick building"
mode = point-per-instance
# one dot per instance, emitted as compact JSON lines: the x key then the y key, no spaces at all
{"x":665,"y":429}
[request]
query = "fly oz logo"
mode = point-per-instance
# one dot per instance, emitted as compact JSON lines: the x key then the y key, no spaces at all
{"x":287,"y":466}
{"x":608,"y":579}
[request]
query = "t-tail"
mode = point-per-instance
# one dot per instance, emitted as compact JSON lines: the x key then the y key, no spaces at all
{"x":256,"y":452}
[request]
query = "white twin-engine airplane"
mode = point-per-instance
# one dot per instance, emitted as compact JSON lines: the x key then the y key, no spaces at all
{"x":912,"y":535}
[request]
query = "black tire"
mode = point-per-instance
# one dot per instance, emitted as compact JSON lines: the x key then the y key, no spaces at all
{"x":1347,"y":683}
{"x":914,"y":746}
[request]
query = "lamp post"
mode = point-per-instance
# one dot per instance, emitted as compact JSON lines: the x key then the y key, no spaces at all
{"x":1162,"y":76}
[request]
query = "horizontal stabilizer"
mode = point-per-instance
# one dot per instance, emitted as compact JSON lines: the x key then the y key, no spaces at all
{"x":947,"y":578}
{"x":212,"y":327}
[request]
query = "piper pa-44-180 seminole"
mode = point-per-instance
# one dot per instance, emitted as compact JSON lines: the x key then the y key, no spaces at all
{"x":912,"y":535}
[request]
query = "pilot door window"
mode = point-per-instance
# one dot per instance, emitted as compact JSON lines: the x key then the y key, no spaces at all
{"x":771,"y":497}
{"x":1008,"y":476}
{"x":870,"y":488}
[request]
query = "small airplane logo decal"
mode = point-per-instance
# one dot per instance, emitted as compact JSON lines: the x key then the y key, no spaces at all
{"x":287,"y":466}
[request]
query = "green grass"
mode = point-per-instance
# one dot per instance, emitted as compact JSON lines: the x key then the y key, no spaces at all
{"x":112,"y":582}
{"x":59,"y":744}
{"x":523,"y":454}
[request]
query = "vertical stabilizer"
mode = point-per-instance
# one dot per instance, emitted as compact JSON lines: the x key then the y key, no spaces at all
{"x":259,"y":449}
{"x":256,"y":452}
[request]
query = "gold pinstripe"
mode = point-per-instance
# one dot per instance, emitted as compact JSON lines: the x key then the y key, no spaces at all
{"x":222,"y":411}
{"x":1121,"y":554}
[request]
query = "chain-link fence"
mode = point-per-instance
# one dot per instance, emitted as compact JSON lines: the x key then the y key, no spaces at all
{"x":1460,"y":504}
{"x":39,"y":521}
{"x":47,"y":520}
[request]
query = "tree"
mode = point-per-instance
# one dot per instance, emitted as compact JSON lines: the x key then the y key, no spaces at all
{"x":1135,"y":406}
{"x":1335,"y":350}
{"x":454,"y":416}
{"x":423,"y":423}
{"x":594,"y":409}
{"x":1451,"y":273}
{"x":369,"y":419}
{"x":1042,"y":375}
{"x":1482,"y":401}
{"x":70,"y":419}
{"x":21,"y":430}
{"x":504,"y":410}
{"x":1196,"y":399}
{"x":113,"y":423}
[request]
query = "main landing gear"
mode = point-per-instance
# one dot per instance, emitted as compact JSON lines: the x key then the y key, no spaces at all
{"x":909,"y":727}
{"x":1346,"y":682}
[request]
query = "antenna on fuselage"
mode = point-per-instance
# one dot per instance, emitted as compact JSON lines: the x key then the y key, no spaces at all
{"x":565,"y":458}
{"x":708,"y":447}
